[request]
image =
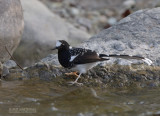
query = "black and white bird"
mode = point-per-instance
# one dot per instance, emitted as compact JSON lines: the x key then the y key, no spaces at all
{"x":81,"y":59}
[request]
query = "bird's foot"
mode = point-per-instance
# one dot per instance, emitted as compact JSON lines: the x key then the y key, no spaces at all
{"x":72,"y":74}
{"x":75,"y":83}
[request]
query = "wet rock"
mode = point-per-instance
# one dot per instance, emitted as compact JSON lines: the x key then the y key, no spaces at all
{"x":117,"y":76}
{"x":15,"y":74}
{"x":11,"y":27}
{"x":5,"y":71}
{"x":132,"y":35}
{"x":42,"y":29}
{"x":45,"y":71}
{"x":99,"y":76}
{"x":10,"y":64}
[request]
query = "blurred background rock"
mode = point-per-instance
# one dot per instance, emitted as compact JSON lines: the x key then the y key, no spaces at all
{"x":96,"y":15}
{"x":73,"y":20}
{"x":11,"y":28}
{"x":41,"y":30}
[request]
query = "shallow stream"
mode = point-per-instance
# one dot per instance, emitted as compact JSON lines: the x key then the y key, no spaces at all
{"x":40,"y":98}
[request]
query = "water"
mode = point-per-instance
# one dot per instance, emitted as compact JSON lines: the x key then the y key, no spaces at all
{"x":40,"y":98}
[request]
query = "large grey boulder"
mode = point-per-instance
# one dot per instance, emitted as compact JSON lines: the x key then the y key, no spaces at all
{"x":137,"y":34}
{"x":42,"y":28}
{"x":11,"y":27}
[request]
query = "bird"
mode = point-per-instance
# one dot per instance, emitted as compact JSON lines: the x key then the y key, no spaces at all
{"x":81,"y":59}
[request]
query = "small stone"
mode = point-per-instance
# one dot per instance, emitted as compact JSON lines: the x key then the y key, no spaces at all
{"x":103,"y":19}
{"x":112,"y":21}
{"x":157,"y":113}
{"x":54,"y":108}
{"x":85,"y":22}
{"x":129,"y":3}
{"x":10,"y":64}
{"x":95,"y":13}
{"x":5,"y":71}
{"x":74,"y":11}
{"x":108,"y":12}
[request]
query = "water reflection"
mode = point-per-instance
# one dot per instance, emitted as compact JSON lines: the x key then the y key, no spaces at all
{"x":37,"y":97}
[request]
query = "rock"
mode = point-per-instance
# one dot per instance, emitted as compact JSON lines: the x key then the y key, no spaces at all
{"x":11,"y":27}
{"x":1,"y":69}
{"x":73,"y":11}
{"x":138,"y":76}
{"x":10,"y":64}
{"x":133,"y":35}
{"x":98,"y":4}
{"x":5,"y":71}
{"x":112,"y":21}
{"x":129,"y":3}
{"x":42,"y":29}
{"x":108,"y":12}
{"x":51,"y":60}
{"x":85,"y":22}
{"x":103,"y":19}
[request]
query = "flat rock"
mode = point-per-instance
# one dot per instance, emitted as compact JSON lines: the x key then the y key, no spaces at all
{"x":42,"y":28}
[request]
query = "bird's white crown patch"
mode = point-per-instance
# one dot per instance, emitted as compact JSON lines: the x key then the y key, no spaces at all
{"x":58,"y":43}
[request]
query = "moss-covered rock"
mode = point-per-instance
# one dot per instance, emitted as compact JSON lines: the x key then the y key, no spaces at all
{"x":100,"y":76}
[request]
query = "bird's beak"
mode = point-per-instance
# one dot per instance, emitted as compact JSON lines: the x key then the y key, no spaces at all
{"x":54,"y":48}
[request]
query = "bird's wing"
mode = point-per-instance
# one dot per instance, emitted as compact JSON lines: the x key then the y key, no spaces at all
{"x":84,"y":56}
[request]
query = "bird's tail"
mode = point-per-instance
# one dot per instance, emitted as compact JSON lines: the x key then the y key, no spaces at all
{"x":146,"y":60}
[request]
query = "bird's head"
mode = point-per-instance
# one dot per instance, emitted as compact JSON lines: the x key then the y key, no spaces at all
{"x":61,"y":44}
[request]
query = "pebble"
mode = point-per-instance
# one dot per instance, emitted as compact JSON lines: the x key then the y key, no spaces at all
{"x":129,"y":3}
{"x":112,"y":21}
{"x":10,"y":64}
{"x":85,"y":22}
{"x":74,"y":12}
{"x":103,"y":19}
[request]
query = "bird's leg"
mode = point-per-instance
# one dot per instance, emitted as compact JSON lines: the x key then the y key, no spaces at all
{"x":72,"y":74}
{"x":75,"y":82}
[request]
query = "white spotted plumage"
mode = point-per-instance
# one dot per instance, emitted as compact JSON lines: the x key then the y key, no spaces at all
{"x":75,"y":51}
{"x":73,"y":57}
